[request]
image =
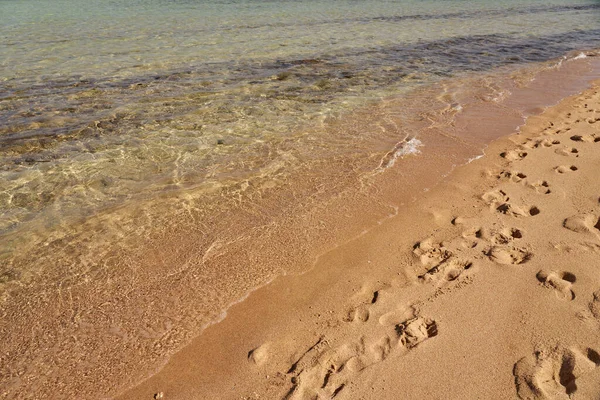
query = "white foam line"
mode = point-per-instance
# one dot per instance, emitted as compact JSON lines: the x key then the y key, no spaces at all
{"x":410,"y":147}
{"x":470,"y":160}
{"x":579,"y":56}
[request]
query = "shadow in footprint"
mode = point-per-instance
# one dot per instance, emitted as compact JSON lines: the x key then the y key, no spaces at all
{"x":552,"y":374}
{"x":508,"y":255}
{"x":414,"y":331}
{"x":583,"y":223}
{"x":566,"y":376}
{"x":569,"y":277}
{"x":533,"y":211}
{"x":564,"y":169}
{"x":593,"y":356}
{"x":513,"y":155}
{"x":541,"y":187}
{"x":561,"y":282}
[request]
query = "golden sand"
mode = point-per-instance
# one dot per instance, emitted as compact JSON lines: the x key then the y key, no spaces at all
{"x":486,"y":286}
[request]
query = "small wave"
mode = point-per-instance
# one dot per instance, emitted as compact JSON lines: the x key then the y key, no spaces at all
{"x":402,"y":149}
{"x":470,"y":160}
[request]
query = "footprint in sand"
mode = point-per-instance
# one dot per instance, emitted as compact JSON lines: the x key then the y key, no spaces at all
{"x":567,"y":151}
{"x":415,"y":331}
{"x":595,"y":305}
{"x":583,"y":223}
{"x":473,"y":234}
{"x":550,"y":126}
{"x":508,"y":255}
{"x":396,"y":316}
{"x":430,"y":253}
{"x":519,"y":177}
{"x":495,"y":196}
{"x":513,"y":155}
{"x":561,"y":282}
{"x":535,"y":143}
{"x":357,"y":314}
{"x":562,"y":169}
{"x":592,"y":120}
{"x":472,"y":237}
{"x":516,"y":211}
{"x":322,"y":371}
{"x":405,"y":336}
{"x":499,"y":201}
{"x":513,"y":176}
{"x":500,"y":236}
{"x":577,"y":138}
{"x":553,"y":374}
{"x":310,"y":378}
{"x":582,"y":138}
{"x":555,"y":131}
{"x":454,"y":269}
{"x":565,"y":129}
{"x":438,"y":261}
{"x":364,"y":299}
{"x":259,"y":355}
{"x":542,"y":187}
{"x":505,"y":235}
{"x":308,"y":357}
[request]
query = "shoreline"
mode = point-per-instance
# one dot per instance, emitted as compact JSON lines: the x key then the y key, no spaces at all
{"x":175,"y":320}
{"x":255,"y":351}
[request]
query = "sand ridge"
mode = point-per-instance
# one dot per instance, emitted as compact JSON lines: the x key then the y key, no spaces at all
{"x":486,"y":287}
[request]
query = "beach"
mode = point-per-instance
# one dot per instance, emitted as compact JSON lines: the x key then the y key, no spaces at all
{"x":298,"y":200}
{"x":486,"y":287}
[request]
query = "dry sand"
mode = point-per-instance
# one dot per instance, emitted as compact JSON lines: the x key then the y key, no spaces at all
{"x":486,"y":287}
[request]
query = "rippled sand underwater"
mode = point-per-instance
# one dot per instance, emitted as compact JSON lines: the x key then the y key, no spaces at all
{"x":112,"y":101}
{"x":155,"y":154}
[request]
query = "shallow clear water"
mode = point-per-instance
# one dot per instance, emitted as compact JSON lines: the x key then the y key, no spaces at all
{"x":105,"y":101}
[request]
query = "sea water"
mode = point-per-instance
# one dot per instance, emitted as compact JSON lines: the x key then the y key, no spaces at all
{"x":105,"y":101}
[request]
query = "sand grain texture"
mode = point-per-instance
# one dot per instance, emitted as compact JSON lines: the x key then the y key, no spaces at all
{"x":486,"y":287}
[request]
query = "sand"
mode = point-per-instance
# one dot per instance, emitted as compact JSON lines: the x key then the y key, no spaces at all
{"x":487,"y":286}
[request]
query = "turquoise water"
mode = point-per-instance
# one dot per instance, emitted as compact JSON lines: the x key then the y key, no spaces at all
{"x":160,"y":159}
{"x":128,"y":39}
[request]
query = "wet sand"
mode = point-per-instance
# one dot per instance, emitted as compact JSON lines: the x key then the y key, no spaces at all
{"x":483,"y":285}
